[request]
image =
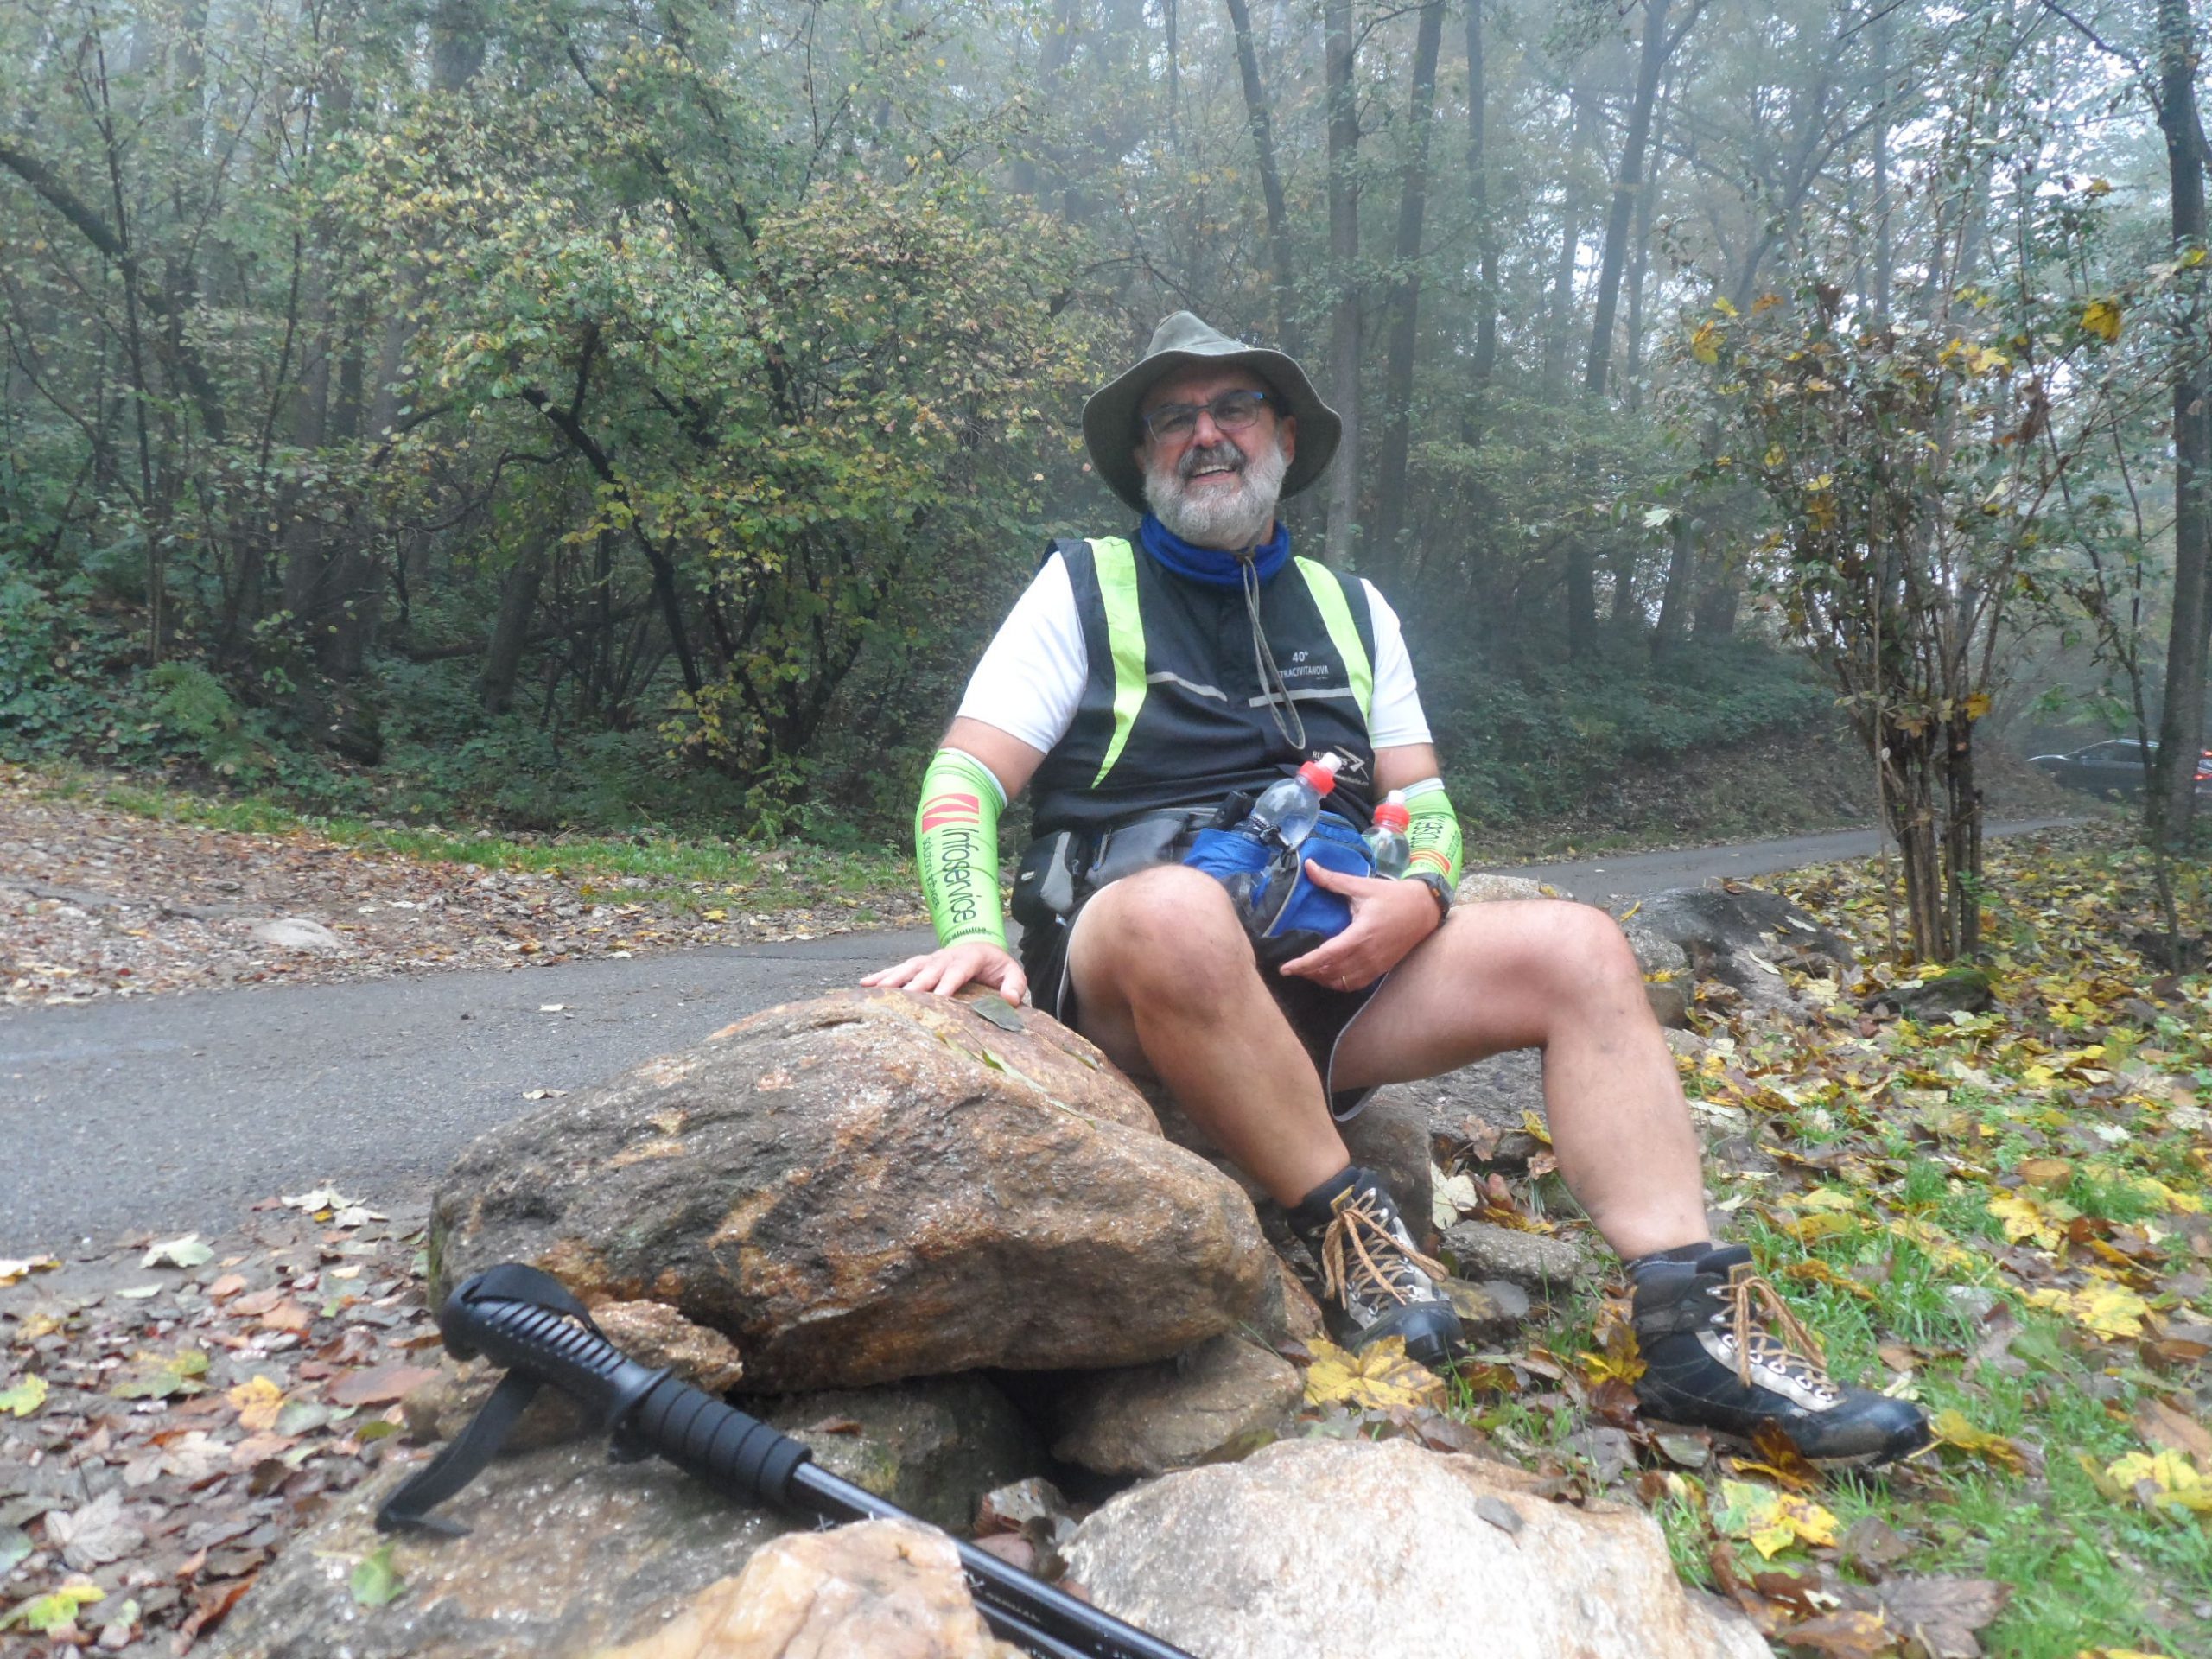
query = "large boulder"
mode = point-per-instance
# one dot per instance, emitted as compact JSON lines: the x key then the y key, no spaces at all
{"x":567,"y":1553}
{"x":871,"y":1185}
{"x":1391,"y":1552}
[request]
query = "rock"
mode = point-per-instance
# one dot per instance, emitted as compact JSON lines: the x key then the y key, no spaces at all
{"x":1480,"y":888}
{"x":1391,"y":1552}
{"x":1741,"y":936}
{"x":1035,"y":1511}
{"x":1492,"y":1312}
{"x":1222,"y":1399}
{"x":1388,"y":1135}
{"x":1544,"y":1266}
{"x":566,"y":1553}
{"x":1670,"y":1004}
{"x":297,"y":933}
{"x":1961,"y":990}
{"x":933,"y":1447}
{"x":871,"y":1185}
{"x":650,"y":1332}
{"x":872,"y":1590}
{"x":1500,"y":1092}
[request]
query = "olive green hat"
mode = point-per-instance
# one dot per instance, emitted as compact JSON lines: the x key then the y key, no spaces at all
{"x":1109,"y":419}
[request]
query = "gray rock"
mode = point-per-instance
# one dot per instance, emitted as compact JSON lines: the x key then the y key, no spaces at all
{"x":1498,"y":1091}
{"x":1741,"y":936}
{"x":297,"y":933}
{"x":1222,"y":1399}
{"x":1670,"y":1004}
{"x":567,"y":1553}
{"x":868,"y":1186}
{"x":1391,"y":1552}
{"x":1491,"y":1311}
{"x":1480,"y":886}
{"x":1961,"y":990}
{"x":1544,"y":1266}
{"x":1388,"y":1135}
{"x":933,"y":1447}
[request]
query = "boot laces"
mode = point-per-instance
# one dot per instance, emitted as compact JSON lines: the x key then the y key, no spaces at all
{"x":1795,"y":1353}
{"x":1366,"y":1251}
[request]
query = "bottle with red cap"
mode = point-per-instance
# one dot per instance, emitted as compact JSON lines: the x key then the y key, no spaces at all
{"x":1386,"y":842}
{"x":1286,"y":813}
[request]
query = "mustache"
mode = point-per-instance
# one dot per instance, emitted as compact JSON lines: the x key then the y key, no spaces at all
{"x":1223,"y":453}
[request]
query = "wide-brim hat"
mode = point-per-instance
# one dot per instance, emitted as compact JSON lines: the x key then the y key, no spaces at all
{"x":1109,"y":419}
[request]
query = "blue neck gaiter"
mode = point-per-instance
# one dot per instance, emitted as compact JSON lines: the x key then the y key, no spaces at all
{"x":1213,"y":567}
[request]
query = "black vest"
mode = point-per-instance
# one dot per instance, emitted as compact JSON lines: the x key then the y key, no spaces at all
{"x":1174,"y":713}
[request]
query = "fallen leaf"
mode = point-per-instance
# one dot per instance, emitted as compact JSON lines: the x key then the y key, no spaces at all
{"x":375,"y":1580}
{"x":186,"y":1252}
{"x":258,"y":1402}
{"x":1952,"y":1429}
{"x":158,"y":1376}
{"x":98,"y":1532}
{"x":21,"y":1399}
{"x":1499,"y":1513}
{"x":49,"y":1613}
{"x":545,"y":1094}
{"x":1852,"y":1633}
{"x":1378,"y":1377}
{"x":1771,"y":1521}
{"x":381,"y":1386}
{"x":2160,"y":1423}
{"x":287,"y":1316}
{"x":17,"y":1267}
{"x":1942,"y":1614}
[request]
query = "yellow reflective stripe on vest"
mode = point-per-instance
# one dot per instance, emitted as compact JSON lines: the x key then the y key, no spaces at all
{"x":1335,"y":616}
{"x":1116,"y":562}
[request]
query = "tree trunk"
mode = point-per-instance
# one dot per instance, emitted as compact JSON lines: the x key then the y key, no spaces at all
{"x":1639,"y":264}
{"x":1259,"y":117}
{"x":1485,"y":361}
{"x":495,"y":686}
{"x":1342,"y":45}
{"x":1674,"y":602}
{"x":1559,"y":311}
{"x":1405,"y":293}
{"x":1626,"y":188}
{"x":1885,"y":243}
{"x":2181,"y":723}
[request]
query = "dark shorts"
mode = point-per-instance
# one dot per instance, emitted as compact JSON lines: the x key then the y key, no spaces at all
{"x":1318,"y":1015}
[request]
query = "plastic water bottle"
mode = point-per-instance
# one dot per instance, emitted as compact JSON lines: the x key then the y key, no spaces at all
{"x":1287,"y":812}
{"x":1386,"y":842}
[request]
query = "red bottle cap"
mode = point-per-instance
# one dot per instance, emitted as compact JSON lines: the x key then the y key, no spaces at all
{"x":1321,"y":775}
{"x":1392,"y":815}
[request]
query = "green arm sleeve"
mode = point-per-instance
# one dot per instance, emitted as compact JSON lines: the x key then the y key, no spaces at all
{"x":1434,"y":832}
{"x":957,"y":842}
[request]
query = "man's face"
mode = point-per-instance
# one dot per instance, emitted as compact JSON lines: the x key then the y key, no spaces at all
{"x":1217,"y":488}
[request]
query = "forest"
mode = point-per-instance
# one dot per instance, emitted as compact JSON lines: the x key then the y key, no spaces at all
{"x":622,"y":412}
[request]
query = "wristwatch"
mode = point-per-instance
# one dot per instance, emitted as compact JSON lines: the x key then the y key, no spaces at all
{"x":1439,"y":889}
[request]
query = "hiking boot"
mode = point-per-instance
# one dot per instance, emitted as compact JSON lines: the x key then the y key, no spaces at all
{"x":1708,"y":1365}
{"x":1375,"y":1283}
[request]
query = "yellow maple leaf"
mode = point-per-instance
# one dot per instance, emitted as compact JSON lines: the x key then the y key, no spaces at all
{"x":1378,"y":1377}
{"x":1771,"y":1521}
{"x":1952,"y":1429}
{"x":1705,"y":344}
{"x":257,"y":1401}
{"x":2101,"y":318}
{"x":2028,"y":1221}
{"x":2177,"y":1483}
{"x":2107,"y":1310}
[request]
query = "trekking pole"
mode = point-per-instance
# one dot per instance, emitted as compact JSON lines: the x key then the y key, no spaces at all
{"x":527,"y":1323}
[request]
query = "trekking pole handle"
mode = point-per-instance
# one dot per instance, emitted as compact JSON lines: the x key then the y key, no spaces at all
{"x":494,"y":1315}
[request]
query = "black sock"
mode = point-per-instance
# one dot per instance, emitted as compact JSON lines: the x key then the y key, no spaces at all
{"x":1318,"y":1208}
{"x":1681,"y":1256}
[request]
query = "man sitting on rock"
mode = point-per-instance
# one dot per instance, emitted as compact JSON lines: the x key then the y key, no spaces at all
{"x":1136,"y":684}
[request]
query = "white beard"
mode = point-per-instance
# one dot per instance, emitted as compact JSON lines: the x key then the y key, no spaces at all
{"x":1232,"y":519}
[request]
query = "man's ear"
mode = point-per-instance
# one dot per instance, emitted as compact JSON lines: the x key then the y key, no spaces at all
{"x":1289,"y":439}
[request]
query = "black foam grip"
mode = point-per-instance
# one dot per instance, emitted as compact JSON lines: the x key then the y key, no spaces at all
{"x":717,"y":1443}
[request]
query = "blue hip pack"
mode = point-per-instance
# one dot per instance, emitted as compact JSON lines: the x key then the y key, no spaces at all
{"x":1273,"y":892}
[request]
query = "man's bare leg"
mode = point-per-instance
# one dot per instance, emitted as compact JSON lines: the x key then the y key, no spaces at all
{"x":1544,"y":974}
{"x":1165,"y":982}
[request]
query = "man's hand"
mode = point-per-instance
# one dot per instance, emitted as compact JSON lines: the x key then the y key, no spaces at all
{"x":1388,"y":919}
{"x":973,"y":961}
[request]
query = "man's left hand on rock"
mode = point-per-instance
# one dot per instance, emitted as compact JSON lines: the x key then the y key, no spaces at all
{"x":1388,"y":919}
{"x":944,"y":971}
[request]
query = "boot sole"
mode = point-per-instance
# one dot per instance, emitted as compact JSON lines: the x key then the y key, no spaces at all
{"x":1874,"y":1459}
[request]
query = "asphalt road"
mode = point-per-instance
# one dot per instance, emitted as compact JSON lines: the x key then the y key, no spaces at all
{"x":174,"y":1113}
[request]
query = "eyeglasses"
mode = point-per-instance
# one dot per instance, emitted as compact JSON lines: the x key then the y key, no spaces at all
{"x":1232,"y":412}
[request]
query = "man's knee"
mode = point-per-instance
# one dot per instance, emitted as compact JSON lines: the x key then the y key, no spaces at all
{"x":1171,"y":922}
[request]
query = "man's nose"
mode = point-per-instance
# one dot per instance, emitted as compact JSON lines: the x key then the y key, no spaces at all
{"x":1204,"y":434}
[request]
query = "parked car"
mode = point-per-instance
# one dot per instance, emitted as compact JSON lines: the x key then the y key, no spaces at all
{"x":2113,"y":768}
